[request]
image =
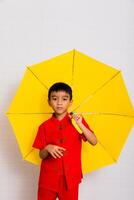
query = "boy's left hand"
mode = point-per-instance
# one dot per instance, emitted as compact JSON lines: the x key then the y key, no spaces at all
{"x":77,"y":118}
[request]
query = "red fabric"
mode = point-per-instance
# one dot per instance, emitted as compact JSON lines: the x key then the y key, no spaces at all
{"x":64,"y":134}
{"x":62,"y":193}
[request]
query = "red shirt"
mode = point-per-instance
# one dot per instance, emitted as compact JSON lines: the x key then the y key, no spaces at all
{"x":64,"y":134}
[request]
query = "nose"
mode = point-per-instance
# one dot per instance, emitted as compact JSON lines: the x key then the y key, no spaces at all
{"x":59,"y":101}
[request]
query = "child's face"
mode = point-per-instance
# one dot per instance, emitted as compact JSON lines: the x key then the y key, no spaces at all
{"x":60,"y":102}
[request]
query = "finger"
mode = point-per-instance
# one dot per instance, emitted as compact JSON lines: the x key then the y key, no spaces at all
{"x":57,"y":154}
{"x":60,"y":152}
{"x":61,"y":148}
{"x":78,"y":117}
{"x":75,"y":116}
{"x":53,"y":155}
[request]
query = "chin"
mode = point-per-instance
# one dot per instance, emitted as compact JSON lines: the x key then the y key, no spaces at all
{"x":60,"y":112}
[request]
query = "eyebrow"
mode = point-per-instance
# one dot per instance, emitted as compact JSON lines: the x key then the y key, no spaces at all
{"x":62,"y":96}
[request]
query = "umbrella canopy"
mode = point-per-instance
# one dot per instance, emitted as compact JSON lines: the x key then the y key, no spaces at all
{"x":99,"y":94}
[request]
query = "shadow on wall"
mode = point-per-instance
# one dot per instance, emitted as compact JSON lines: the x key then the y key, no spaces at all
{"x":19,"y":177}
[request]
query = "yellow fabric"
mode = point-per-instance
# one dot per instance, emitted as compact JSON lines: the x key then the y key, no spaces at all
{"x":99,"y":94}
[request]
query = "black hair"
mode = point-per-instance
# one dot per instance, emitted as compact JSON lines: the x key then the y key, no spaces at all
{"x":60,"y":86}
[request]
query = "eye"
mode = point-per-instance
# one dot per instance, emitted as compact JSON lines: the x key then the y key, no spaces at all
{"x":54,"y":98}
{"x":64,"y":99}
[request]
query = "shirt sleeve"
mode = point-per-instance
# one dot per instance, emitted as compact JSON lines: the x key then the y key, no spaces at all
{"x":87,"y":126}
{"x":39,"y":142}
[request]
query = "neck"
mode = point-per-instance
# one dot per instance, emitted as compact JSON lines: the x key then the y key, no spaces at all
{"x":60,"y":116}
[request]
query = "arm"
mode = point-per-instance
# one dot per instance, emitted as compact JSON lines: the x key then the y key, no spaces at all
{"x":43,"y":153}
{"x":90,"y":136}
{"x":46,"y":149}
{"x":54,"y":150}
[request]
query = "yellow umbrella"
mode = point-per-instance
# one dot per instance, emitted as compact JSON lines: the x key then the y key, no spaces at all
{"x":99,"y":94}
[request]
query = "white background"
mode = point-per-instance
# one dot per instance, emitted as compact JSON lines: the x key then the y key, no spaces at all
{"x":34,"y":30}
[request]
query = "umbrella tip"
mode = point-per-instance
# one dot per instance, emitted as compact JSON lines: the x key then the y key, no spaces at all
{"x":71,"y":113}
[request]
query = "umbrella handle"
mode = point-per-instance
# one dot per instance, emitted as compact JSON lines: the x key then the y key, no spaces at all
{"x":74,"y":124}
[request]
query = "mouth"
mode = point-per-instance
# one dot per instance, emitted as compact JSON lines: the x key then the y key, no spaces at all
{"x":59,"y":108}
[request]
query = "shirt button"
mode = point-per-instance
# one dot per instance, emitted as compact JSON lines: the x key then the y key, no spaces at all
{"x":61,"y":126}
{"x":61,"y":140}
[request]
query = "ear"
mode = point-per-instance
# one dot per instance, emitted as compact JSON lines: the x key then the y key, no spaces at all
{"x":49,"y":102}
{"x":71,"y":101}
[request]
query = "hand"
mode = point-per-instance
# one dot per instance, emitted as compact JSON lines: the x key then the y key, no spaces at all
{"x":77,"y":118}
{"x":55,"y":151}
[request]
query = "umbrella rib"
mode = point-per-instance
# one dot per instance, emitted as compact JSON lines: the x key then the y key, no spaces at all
{"x":102,"y":113}
{"x":37,"y":78}
{"x":29,"y":113}
{"x":107,"y":151}
{"x":24,"y":157}
{"x":83,"y":113}
{"x":93,"y":93}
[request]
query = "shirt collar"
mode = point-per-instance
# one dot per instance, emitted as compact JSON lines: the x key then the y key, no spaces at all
{"x":64,"y":120}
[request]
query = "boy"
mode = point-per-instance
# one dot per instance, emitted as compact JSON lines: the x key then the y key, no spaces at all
{"x":60,"y":147}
